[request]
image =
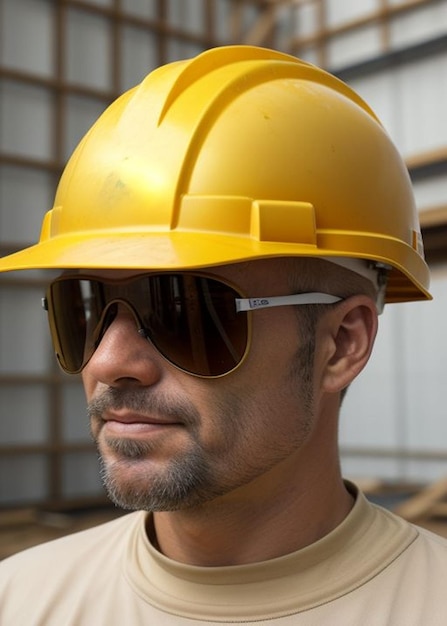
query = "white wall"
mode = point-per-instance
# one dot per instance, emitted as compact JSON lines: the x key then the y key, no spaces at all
{"x":398,"y":402}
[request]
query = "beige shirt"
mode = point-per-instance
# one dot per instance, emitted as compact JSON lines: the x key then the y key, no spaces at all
{"x":373,"y":570}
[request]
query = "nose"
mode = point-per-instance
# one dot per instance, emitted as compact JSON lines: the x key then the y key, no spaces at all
{"x":124,"y":356}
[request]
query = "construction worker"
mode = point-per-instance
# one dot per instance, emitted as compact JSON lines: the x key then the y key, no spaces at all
{"x":227,"y":233}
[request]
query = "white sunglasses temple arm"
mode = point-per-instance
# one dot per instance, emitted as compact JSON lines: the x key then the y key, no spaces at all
{"x":252,"y":304}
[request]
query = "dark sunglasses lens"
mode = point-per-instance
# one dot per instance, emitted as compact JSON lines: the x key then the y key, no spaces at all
{"x":74,"y":312}
{"x":191,"y":320}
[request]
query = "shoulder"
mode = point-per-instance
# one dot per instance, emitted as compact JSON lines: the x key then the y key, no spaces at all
{"x":430,"y":542}
{"x":423,"y":546}
{"x":53,"y":582}
{"x":424,"y":560}
{"x":80,"y":548}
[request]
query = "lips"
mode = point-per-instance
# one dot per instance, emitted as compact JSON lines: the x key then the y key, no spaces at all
{"x":125,"y":423}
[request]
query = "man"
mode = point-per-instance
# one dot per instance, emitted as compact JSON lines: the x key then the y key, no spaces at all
{"x":227,"y":233}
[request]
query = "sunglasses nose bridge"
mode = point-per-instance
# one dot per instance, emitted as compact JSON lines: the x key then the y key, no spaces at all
{"x":123,"y":303}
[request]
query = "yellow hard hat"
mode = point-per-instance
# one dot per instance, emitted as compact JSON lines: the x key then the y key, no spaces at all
{"x":240,"y":153}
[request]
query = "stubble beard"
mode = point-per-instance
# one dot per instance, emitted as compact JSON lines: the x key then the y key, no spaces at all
{"x":179,"y":486}
{"x":189,"y":479}
{"x":186,"y":480}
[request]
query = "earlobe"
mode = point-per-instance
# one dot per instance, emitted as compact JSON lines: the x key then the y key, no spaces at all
{"x":353,"y":328}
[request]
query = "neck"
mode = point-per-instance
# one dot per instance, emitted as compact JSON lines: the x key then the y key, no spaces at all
{"x":254,"y":523}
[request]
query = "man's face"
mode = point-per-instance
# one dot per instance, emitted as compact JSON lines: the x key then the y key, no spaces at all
{"x":169,"y":440}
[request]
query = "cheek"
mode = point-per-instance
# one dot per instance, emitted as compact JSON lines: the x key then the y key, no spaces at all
{"x":274,"y":343}
{"x":279,"y":373}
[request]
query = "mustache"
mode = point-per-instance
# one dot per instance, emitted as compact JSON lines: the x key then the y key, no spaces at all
{"x":144,"y":402}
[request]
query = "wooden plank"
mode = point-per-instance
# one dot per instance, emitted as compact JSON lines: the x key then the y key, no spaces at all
{"x":16,"y":517}
{"x":421,"y":504}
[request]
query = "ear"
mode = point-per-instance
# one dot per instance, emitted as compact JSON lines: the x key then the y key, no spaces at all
{"x":350,"y":330}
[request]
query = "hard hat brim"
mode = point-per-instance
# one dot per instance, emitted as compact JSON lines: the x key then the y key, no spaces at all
{"x":188,"y":250}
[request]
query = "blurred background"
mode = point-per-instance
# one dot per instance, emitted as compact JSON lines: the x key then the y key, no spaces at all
{"x":61,"y":63}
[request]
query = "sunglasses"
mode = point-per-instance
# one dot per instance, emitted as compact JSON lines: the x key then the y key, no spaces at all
{"x":199,"y":324}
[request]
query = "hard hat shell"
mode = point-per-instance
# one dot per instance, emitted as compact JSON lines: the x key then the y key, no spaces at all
{"x":240,"y":153}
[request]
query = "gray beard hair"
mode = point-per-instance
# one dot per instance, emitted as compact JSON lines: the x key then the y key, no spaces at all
{"x":183,"y":484}
{"x":187,"y":481}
